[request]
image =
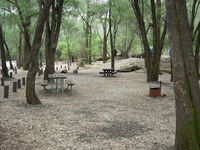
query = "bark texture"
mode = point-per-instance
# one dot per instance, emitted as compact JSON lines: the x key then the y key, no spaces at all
{"x":3,"y":55}
{"x":31,"y":95}
{"x":186,"y":87}
{"x":52,"y":34}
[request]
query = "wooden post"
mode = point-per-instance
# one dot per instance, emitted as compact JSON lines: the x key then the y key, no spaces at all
{"x":23,"y":81}
{"x":14,"y":86}
{"x":11,"y":75}
{"x":19,"y":83}
{"x":56,"y":68}
{"x":60,"y":66}
{"x":6,"y":91}
{"x":15,"y":70}
{"x":2,"y":81}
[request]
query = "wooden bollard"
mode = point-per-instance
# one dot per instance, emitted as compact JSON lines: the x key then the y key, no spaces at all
{"x":15,"y":70}
{"x":11,"y":75}
{"x":6,"y":91}
{"x":19,"y":83}
{"x":14,"y":86}
{"x":2,"y":81}
{"x":23,"y":81}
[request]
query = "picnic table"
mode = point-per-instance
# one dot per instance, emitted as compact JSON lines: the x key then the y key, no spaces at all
{"x":57,"y":77}
{"x":108,"y":72}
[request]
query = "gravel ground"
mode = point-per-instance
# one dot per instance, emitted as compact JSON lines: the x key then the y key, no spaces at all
{"x":102,"y":113}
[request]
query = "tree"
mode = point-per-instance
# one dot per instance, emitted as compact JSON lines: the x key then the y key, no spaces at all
{"x":31,"y":95}
{"x":152,"y":55}
{"x":53,"y":24}
{"x":3,"y":56}
{"x":186,"y":87}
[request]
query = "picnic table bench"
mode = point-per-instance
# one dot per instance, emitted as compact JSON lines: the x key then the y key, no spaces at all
{"x":108,"y":72}
{"x":57,"y":76}
{"x":69,"y":83}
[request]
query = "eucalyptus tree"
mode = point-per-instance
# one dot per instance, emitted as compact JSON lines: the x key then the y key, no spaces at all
{"x":156,"y":24}
{"x":26,"y":10}
{"x":31,"y":95}
{"x":53,"y":24}
{"x":186,"y":86}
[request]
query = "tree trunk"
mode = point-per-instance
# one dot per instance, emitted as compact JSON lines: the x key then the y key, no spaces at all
{"x":105,"y":39}
{"x":197,"y":47}
{"x":19,"y":57}
{"x":152,"y":58}
{"x":52,"y":34}
{"x":31,"y":95}
{"x":3,"y":56}
{"x":111,"y":36}
{"x":8,"y":55}
{"x":186,"y":87}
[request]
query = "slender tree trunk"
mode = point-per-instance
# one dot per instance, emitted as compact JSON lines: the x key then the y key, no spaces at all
{"x":31,"y":95}
{"x":52,"y":35}
{"x":152,"y":59}
{"x":90,"y":45}
{"x":19,"y":54}
{"x":111,"y":36}
{"x":197,"y":47}
{"x":186,"y":87}
{"x":8,"y":54}
{"x":105,"y":39}
{"x":3,"y":56}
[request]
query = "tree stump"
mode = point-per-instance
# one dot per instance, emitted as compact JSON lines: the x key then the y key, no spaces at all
{"x":6,"y":91}
{"x":14,"y":86}
{"x":19,"y":83}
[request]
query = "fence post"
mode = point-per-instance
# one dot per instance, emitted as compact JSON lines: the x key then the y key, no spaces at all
{"x":14,"y":86}
{"x":2,"y":81}
{"x":6,"y":91}
{"x":23,"y":81}
{"x":19,"y":83}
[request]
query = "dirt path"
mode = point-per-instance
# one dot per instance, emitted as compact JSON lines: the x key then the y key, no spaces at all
{"x":101,"y":114}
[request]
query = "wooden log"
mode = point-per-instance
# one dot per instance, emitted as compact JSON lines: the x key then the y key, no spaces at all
{"x":6,"y":91}
{"x":19,"y":83}
{"x":23,"y":81}
{"x":14,"y":86}
{"x":2,"y":81}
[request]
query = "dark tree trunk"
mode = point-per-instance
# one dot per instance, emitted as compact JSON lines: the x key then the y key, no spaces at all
{"x":52,"y":35}
{"x":105,"y":39}
{"x":31,"y":95}
{"x":152,"y":58}
{"x":197,"y":47}
{"x":186,"y":85}
{"x":26,"y":24}
{"x":19,"y":57}
{"x":8,"y":55}
{"x":111,"y":36}
{"x":3,"y":56}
